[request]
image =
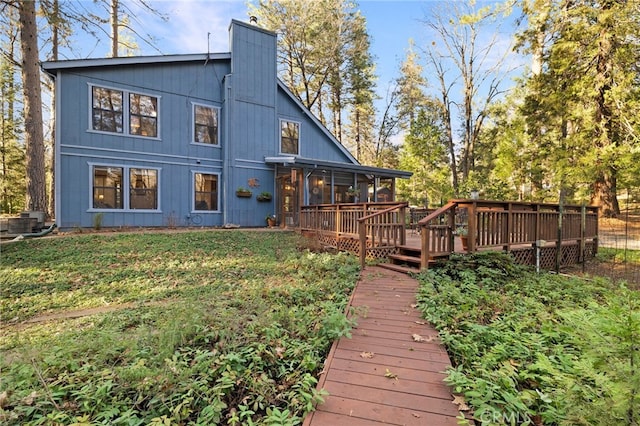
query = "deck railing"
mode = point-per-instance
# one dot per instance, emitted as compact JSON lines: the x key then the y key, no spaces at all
{"x":367,"y":229}
{"x":536,"y":233}
{"x":547,"y":235}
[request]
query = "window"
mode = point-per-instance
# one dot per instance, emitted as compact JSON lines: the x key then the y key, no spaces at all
{"x":106,"y":110}
{"x":289,"y":137}
{"x":205,"y":122}
{"x":108,"y":107}
{"x":143,"y":113}
{"x":205,"y":191}
{"x":107,"y":187}
{"x":143,"y":189}
{"x":110,"y":183}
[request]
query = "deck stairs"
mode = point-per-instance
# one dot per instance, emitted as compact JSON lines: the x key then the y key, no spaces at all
{"x":407,"y":260}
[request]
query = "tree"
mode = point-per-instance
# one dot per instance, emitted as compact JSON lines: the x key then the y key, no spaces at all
{"x":581,"y":106}
{"x":12,"y":154}
{"x":463,"y":56}
{"x":411,"y":87}
{"x":34,"y":139}
{"x":424,"y":152}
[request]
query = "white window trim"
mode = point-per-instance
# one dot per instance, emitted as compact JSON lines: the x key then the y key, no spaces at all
{"x":125,"y":188}
{"x":126,"y":113}
{"x":193,"y":191}
{"x":193,"y":125}
{"x":280,"y":136}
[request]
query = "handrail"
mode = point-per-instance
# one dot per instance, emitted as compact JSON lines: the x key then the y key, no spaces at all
{"x":437,"y":213}
{"x":442,"y":243}
{"x":362,"y":229}
{"x":381,"y":212}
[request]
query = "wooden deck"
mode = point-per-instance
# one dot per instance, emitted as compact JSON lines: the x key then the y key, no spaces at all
{"x":391,"y":370}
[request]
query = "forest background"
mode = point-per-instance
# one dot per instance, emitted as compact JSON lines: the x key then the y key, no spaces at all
{"x":566,"y":129}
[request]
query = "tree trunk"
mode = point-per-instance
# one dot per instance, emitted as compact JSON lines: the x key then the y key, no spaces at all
{"x":114,"y":28}
{"x":34,"y":140}
{"x":604,"y":194}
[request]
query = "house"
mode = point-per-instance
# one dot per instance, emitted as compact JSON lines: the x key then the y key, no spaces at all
{"x":169,"y":141}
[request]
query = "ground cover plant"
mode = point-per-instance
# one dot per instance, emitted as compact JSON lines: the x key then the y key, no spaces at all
{"x":208,"y":327}
{"x":539,"y":349}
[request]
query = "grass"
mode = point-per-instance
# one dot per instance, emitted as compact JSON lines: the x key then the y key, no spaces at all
{"x":209,"y":327}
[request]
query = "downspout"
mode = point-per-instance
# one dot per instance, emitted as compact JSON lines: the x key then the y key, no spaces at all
{"x":226,"y":176}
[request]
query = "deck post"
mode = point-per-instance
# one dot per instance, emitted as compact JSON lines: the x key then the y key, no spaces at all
{"x":472,"y":226}
{"x":362,"y":231}
{"x":403,"y":228}
{"x":425,"y":233}
{"x":583,"y":227}
{"x":559,"y":242}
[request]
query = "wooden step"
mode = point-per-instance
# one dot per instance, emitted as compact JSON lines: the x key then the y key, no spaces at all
{"x":403,"y":258}
{"x":411,"y":251}
{"x":399,"y":268}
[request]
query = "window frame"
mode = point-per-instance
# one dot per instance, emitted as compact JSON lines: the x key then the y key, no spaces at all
{"x":125,"y":188}
{"x":193,"y":191}
{"x":217,"y":110}
{"x":126,"y":112}
{"x":299,"y":124}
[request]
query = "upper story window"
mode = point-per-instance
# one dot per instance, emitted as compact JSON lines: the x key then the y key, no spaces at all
{"x":289,"y":137}
{"x":107,"y":110}
{"x":143,"y":115}
{"x":205,"y":124}
{"x":108,"y":107}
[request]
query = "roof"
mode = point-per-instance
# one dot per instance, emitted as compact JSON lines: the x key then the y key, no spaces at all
{"x":52,"y":66}
{"x":334,"y":165}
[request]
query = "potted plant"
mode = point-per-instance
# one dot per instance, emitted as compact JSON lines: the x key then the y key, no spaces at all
{"x":271,"y":220}
{"x":462,"y":232}
{"x":264,"y":196}
{"x":353,"y":193}
{"x":243,"y":192}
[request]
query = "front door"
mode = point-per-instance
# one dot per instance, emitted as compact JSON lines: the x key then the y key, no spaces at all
{"x":288,"y":197}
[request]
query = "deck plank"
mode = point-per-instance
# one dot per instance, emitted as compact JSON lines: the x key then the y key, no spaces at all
{"x":382,"y":375}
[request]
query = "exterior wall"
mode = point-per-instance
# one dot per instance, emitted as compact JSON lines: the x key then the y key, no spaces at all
{"x":245,"y":88}
{"x":176,"y":86}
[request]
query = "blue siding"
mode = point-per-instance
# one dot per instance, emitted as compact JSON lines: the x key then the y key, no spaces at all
{"x":243,"y":85}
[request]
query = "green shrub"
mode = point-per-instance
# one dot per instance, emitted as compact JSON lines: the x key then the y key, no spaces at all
{"x":533,"y":348}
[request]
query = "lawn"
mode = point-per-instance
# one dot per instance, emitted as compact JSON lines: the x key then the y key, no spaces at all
{"x":207,"y":327}
{"x":536,"y":349}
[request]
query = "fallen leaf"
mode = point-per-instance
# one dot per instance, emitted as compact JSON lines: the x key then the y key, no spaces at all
{"x":460,"y":402}
{"x":416,"y":415}
{"x":420,"y":322}
{"x":419,"y":338}
{"x":390,"y":375}
{"x":367,"y":355}
{"x":414,"y":305}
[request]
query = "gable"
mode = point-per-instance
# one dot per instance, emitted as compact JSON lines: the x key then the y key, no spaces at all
{"x":316,"y":141}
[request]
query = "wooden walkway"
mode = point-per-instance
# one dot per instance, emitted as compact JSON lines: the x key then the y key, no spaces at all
{"x":391,"y":370}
